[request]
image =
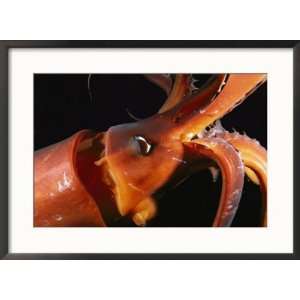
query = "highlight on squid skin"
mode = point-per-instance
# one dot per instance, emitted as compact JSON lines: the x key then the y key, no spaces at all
{"x":137,"y":171}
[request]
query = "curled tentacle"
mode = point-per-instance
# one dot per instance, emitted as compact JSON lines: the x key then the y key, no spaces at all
{"x":232,"y":169}
{"x":254,"y":157}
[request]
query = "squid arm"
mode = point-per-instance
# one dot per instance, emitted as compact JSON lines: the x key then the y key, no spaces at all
{"x":232,"y":169}
{"x":164,"y":81}
{"x":236,"y":88}
{"x":254,"y":157}
{"x":181,"y":88}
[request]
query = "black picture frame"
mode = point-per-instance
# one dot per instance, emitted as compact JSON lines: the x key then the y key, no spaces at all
{"x":5,"y":46}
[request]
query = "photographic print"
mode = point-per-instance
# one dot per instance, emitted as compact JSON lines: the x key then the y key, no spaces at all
{"x":150,"y":150}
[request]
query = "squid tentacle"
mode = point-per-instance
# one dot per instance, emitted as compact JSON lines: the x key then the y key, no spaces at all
{"x":182,"y":87}
{"x":176,"y":91}
{"x":164,"y":81}
{"x":235,"y":88}
{"x":232,"y":169}
{"x":197,"y":101}
{"x":254,"y":157}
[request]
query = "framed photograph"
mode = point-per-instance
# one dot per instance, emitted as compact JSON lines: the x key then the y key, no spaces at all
{"x":149,"y":149}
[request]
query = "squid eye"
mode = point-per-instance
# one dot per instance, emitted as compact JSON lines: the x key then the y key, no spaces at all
{"x":141,"y":145}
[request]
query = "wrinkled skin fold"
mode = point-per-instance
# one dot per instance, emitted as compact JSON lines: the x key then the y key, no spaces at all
{"x":94,"y":179}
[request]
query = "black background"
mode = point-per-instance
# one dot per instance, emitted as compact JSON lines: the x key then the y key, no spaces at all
{"x":64,"y":104}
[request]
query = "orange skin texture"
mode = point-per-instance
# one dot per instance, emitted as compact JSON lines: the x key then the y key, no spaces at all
{"x":60,"y":197}
{"x":80,"y":196}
